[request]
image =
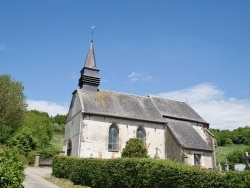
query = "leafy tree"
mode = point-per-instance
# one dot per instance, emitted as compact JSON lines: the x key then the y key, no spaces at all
{"x":12,"y":106}
{"x":60,"y":119}
{"x":225,"y":137}
{"x":39,"y":125}
{"x":135,"y":149}
{"x":235,"y":156}
{"x":241,"y":135}
{"x":24,"y":141}
{"x":59,"y":123}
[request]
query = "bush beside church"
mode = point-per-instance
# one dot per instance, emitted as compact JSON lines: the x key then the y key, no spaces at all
{"x":135,"y":172}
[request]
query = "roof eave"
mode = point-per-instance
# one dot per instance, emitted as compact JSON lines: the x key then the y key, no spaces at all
{"x":197,"y":149}
{"x":123,"y":117}
{"x":184,"y":119}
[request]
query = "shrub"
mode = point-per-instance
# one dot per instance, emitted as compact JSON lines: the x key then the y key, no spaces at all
{"x":11,"y":168}
{"x":143,"y":173}
{"x":24,"y":141}
{"x":135,"y":149}
{"x":236,"y":157}
{"x":45,"y":153}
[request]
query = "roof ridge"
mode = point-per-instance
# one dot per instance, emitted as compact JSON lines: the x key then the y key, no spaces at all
{"x":118,"y":92}
{"x":155,"y":96}
{"x":155,"y":105}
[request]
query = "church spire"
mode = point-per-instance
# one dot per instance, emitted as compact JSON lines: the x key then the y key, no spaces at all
{"x":89,"y":79}
{"x":90,"y":59}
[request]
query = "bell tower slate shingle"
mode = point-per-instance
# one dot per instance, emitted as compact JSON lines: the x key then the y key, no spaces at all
{"x":89,"y":79}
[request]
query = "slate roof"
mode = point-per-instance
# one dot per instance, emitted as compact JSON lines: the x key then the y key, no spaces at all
{"x":90,"y":59}
{"x":119,"y":105}
{"x":129,"y":106}
{"x":176,"y":109}
{"x":187,"y":136}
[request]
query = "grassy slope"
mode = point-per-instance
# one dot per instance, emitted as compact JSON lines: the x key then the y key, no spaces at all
{"x":57,"y":141}
{"x":222,"y":151}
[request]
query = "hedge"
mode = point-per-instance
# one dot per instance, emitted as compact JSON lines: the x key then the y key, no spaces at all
{"x":145,"y":173}
{"x":11,"y":168}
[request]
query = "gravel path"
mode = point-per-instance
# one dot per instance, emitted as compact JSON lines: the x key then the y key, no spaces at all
{"x":35,"y":178}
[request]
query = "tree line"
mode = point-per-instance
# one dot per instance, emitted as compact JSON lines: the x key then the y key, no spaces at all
{"x":26,"y":129}
{"x":240,"y":135}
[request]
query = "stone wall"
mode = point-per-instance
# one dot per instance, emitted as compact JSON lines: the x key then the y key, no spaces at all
{"x":173,"y":150}
{"x":95,"y":132}
{"x":72,"y":128}
{"x":209,"y":139}
{"x":206,"y":158}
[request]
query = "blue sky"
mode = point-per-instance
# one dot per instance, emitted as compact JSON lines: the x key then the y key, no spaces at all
{"x":194,"y":51}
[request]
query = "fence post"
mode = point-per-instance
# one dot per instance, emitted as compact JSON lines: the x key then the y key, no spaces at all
{"x":37,"y":160}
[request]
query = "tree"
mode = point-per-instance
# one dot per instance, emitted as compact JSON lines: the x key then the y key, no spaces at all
{"x":59,"y":123}
{"x":39,"y":125}
{"x":60,"y":119}
{"x":12,"y":106}
{"x":135,"y":149}
{"x":24,"y":141}
{"x":241,"y":135}
{"x":225,"y":137}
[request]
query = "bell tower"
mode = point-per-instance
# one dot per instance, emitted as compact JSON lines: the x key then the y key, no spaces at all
{"x":90,"y":79}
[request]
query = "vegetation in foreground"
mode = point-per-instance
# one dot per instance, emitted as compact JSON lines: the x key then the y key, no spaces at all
{"x":138,"y":172}
{"x":22,"y":132}
{"x":11,"y":168}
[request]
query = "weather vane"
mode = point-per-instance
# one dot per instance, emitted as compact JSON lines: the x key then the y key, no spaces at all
{"x":93,"y":30}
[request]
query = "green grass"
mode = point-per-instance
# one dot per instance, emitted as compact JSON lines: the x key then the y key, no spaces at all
{"x":64,"y":183}
{"x":57,"y":141}
{"x":222,"y":151}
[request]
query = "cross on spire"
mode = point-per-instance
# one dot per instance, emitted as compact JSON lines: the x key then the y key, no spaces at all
{"x":93,"y":30}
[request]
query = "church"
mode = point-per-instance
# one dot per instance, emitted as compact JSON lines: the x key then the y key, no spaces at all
{"x":100,"y":122}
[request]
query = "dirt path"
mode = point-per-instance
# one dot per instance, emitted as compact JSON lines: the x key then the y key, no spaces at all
{"x":35,"y":178}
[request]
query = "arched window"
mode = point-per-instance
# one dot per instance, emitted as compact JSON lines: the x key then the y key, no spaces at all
{"x":69,"y":148}
{"x":113,"y":138}
{"x":140,"y":133}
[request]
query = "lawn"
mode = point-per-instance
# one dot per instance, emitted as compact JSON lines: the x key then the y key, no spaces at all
{"x":222,"y":151}
{"x":57,"y":141}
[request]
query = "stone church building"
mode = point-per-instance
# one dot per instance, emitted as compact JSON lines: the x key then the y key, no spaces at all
{"x":100,"y":122}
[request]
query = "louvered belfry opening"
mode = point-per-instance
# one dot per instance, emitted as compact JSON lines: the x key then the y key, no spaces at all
{"x":89,"y":79}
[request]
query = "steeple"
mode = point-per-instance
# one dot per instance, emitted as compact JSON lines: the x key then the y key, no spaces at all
{"x":89,"y":79}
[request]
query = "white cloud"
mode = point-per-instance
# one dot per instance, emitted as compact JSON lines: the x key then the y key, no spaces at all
{"x":137,"y":76}
{"x":50,"y":107}
{"x":210,"y":102}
